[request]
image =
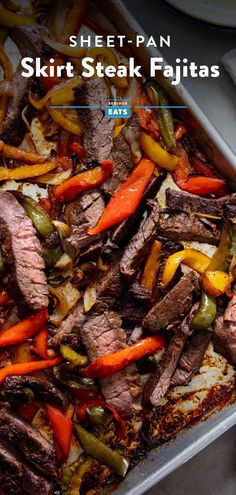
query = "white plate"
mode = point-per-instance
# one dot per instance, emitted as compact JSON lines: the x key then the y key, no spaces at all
{"x":220,"y":12}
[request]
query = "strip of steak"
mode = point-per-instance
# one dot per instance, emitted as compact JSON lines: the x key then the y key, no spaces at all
{"x":80,"y":214}
{"x":192,"y":357}
{"x":159,"y":382}
{"x":186,"y":227}
{"x":224,"y":337}
{"x":98,"y":139}
{"x":33,"y":446}
{"x":135,"y":303}
{"x":22,"y":254}
{"x":71,"y":325}
{"x":109,"y":287}
{"x":187,"y":202}
{"x":43,"y":390}
{"x":28,"y":42}
{"x":174,"y":306}
{"x":139,"y":244}
{"x":98,"y":131}
{"x":102,"y":335}
{"x":19,"y":477}
{"x":126,"y":229}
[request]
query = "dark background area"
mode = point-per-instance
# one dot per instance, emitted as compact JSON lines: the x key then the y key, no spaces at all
{"x":199,"y":42}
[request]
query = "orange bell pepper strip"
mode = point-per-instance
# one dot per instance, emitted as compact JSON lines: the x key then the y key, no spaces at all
{"x":24,"y":329}
{"x":5,"y":297}
{"x":126,"y":198}
{"x":203,"y":185}
{"x":40,"y":343}
{"x":62,"y":428}
{"x":199,"y":184}
{"x":116,"y":361}
{"x":26,"y":368}
{"x":191,"y":257}
{"x":151,"y":266}
{"x":14,"y":153}
{"x":215,"y":283}
{"x":83,"y":181}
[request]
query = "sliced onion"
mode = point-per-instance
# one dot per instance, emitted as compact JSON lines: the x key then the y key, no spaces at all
{"x":54,"y":179}
{"x":67,"y":296}
{"x":90,"y":296}
{"x":63,"y":230}
{"x":67,"y":50}
{"x":43,"y":146}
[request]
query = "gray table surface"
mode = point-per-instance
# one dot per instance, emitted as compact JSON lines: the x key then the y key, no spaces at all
{"x":213,"y":471}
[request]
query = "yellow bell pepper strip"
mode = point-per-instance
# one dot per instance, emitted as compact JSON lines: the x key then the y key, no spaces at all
{"x":156,"y":153}
{"x":220,"y":261}
{"x":116,"y":361}
{"x":98,"y":450}
{"x":69,"y":51}
{"x":216,"y":279}
{"x":83,"y":181}
{"x":14,"y":153}
{"x":126,"y":198}
{"x":69,"y":121}
{"x":191,"y":257}
{"x":24,"y":329}
{"x":215,"y":283}
{"x":60,"y":94}
{"x":26,"y":368}
{"x":165,"y":118}
{"x":74,"y":19}
{"x":151,"y":266}
{"x":10,"y":19}
{"x":8,"y":73}
{"x":27,"y":171}
{"x":108,"y":58}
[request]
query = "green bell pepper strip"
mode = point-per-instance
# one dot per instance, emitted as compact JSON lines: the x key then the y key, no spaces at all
{"x":205,"y":314}
{"x":96,"y":415}
{"x":220,"y":261}
{"x":51,"y":255}
{"x":101,"y":452}
{"x":165,"y":118}
{"x":72,"y":356}
{"x":39,"y":217}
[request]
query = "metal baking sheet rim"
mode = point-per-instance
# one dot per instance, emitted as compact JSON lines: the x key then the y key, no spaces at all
{"x":165,"y":459}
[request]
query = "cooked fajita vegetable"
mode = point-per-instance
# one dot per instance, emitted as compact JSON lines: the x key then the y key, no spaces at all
{"x":24,"y":329}
{"x":156,"y":153}
{"x":111,"y":363}
{"x":191,"y":257}
{"x":26,"y":171}
{"x":62,"y":428}
{"x":98,"y":450}
{"x":25,"y":368}
{"x":41,"y":343}
{"x":126,"y":198}
{"x":83,"y":181}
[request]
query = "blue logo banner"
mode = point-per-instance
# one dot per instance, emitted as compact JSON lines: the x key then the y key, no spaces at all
{"x":117,"y":112}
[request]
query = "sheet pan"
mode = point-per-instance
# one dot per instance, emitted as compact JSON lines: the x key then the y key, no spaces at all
{"x":221,"y":416}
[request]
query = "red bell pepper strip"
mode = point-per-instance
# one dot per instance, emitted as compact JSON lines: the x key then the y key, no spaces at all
{"x":77,"y":148}
{"x":203,"y":185}
{"x":197,"y":184}
{"x":147,"y":116}
{"x":62,"y":428}
{"x":83,"y":181}
{"x":26,"y":368}
{"x":60,"y":456}
{"x":120,"y":421}
{"x":24,"y":329}
{"x":180,"y":131}
{"x":28,"y":411}
{"x":51,"y":81}
{"x":40,"y":343}
{"x":5,"y":297}
{"x":126,"y":198}
{"x":116,"y":361}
